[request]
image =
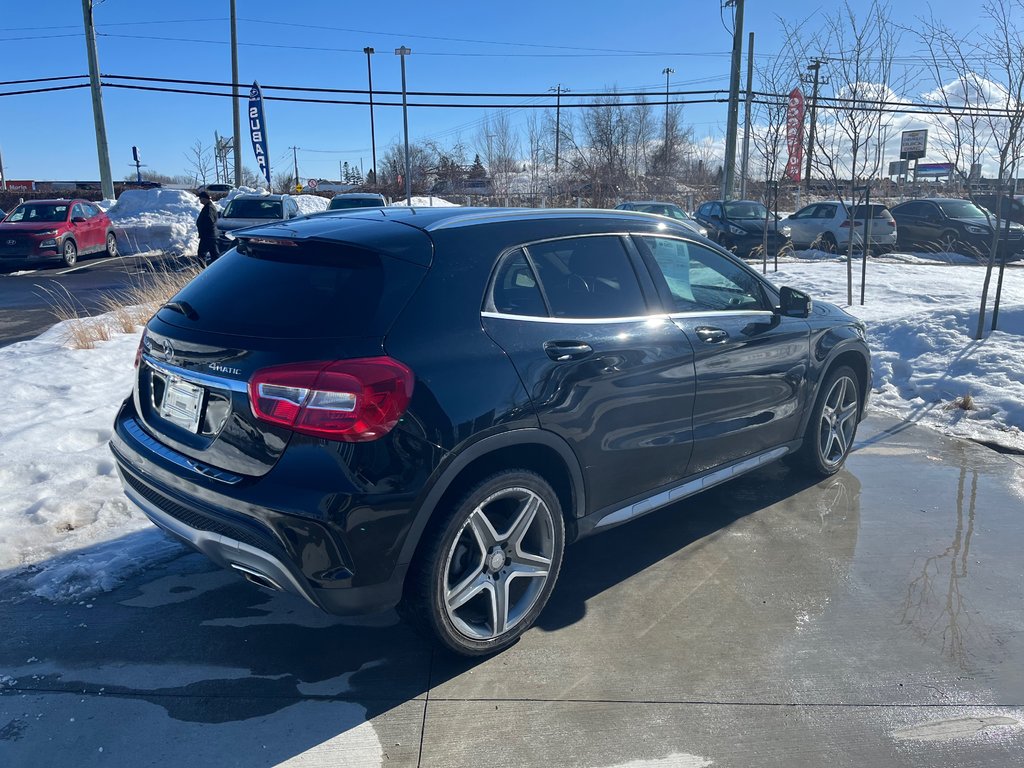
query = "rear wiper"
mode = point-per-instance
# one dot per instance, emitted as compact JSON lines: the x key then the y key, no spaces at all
{"x":184,"y":307}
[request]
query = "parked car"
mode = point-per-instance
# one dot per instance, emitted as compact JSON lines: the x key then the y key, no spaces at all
{"x":248,"y":210}
{"x":422,"y":407}
{"x":829,"y":226}
{"x":952,"y":226}
{"x":671,"y":210}
{"x":349,"y":200}
{"x":1011,"y":207}
{"x":739,"y":226}
{"x":216,"y":188}
{"x":56,"y":230}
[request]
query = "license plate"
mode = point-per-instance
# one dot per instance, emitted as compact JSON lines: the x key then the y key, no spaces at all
{"x":182,"y":404}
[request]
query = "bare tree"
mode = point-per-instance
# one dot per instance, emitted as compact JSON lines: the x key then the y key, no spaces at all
{"x":850,"y":120}
{"x":980,"y":87}
{"x":199,"y":162}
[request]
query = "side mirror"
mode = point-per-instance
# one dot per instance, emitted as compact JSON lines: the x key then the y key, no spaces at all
{"x":794,"y":303}
{"x":78,"y":219}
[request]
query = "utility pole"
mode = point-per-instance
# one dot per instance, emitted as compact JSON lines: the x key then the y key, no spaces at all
{"x":559,"y":90}
{"x":732,"y":127}
{"x":102,"y":153}
{"x":667,"y":71}
{"x":744,"y":161}
{"x":295,"y":160}
{"x":403,"y":52}
{"x":373,"y":134}
{"x":236,"y":116}
{"x":815,"y":67}
{"x":3,"y":176}
{"x":216,"y":157}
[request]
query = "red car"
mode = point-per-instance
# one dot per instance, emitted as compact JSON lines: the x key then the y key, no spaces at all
{"x":56,"y":229}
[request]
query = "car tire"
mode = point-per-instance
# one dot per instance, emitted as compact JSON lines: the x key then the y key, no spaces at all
{"x":488,"y":565}
{"x":111,"y":244}
{"x":69,"y":253}
{"x":832,"y":426}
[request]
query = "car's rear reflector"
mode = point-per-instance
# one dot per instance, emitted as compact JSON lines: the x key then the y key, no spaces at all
{"x":349,"y":400}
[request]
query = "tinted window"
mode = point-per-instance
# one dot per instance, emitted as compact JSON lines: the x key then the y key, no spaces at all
{"x":825,"y":211}
{"x":342,"y":202}
{"x":91,"y":210}
{"x":961,"y":209}
{"x":700,"y":280}
{"x":805,"y":213}
{"x":909,"y":209}
{"x":313,"y":290}
{"x":588,"y":277}
{"x":249,"y":208}
{"x":78,"y":212}
{"x":41,"y":212}
{"x":877,"y":211}
{"x":745,"y":209}
{"x":515,"y":289}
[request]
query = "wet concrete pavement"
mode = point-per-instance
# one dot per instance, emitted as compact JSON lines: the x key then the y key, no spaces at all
{"x":875,"y":619}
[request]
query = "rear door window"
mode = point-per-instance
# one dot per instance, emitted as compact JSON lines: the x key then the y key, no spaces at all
{"x":587,"y":277}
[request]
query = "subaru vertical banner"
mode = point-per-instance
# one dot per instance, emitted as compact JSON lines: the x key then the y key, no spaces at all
{"x":258,"y":130}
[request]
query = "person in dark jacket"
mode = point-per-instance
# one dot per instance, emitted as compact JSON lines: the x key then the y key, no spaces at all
{"x":206,"y":223}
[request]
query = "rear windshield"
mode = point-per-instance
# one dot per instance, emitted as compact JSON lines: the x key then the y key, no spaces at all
{"x":662,"y":210}
{"x":877,"y":211}
{"x":30,"y":213}
{"x":354,"y":202}
{"x":253,"y":209}
{"x":311,"y":290}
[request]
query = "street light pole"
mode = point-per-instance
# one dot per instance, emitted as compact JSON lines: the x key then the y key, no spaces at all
{"x":403,"y":52}
{"x":373,"y":133}
{"x":102,"y":152}
{"x":747,"y":108}
{"x":815,"y":67}
{"x":667,"y":71}
{"x":236,"y":119}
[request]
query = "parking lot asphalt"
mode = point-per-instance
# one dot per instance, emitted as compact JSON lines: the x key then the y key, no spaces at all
{"x":874,"y":619}
{"x":27,"y":296}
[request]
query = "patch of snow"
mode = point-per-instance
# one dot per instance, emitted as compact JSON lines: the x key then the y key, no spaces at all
{"x":675,"y":760}
{"x":428,"y":202}
{"x":311,"y":204}
{"x":156,"y":220}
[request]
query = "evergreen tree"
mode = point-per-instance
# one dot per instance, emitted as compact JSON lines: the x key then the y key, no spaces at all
{"x":477,"y":170}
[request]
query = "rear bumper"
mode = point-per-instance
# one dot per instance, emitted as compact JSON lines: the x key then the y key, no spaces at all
{"x":230,"y":523}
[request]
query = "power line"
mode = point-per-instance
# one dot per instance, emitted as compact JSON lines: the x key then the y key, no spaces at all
{"x":42,"y":80}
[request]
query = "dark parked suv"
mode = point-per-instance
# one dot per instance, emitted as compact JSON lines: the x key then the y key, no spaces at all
{"x":952,"y":226}
{"x":739,"y":226}
{"x":422,"y":407}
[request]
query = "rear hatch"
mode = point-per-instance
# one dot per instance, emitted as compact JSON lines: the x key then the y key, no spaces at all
{"x":296,"y":294}
{"x":882,"y":222}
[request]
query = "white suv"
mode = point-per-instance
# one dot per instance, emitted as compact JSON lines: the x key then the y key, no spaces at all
{"x":828,"y":225}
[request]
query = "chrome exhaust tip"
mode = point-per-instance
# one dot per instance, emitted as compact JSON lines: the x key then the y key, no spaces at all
{"x":257,"y":578}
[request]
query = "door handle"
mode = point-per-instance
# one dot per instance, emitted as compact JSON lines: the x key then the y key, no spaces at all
{"x":711,"y":335}
{"x":563,"y":351}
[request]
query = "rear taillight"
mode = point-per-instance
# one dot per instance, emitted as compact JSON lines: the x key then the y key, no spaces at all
{"x":847,"y":224}
{"x":349,"y":400}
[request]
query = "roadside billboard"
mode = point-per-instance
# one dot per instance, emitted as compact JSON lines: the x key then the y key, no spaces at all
{"x":913,"y":144}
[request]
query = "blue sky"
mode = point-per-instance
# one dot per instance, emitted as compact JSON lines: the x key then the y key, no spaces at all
{"x":528,"y":46}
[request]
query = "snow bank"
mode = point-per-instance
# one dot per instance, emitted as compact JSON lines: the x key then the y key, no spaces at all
{"x":156,"y":220}
{"x":65,"y":524}
{"x":311,"y":203}
{"x":428,"y":202}
{"x":921,"y":322}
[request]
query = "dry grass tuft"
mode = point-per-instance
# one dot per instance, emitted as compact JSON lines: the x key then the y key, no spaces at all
{"x":965,"y":403}
{"x":124,"y":310}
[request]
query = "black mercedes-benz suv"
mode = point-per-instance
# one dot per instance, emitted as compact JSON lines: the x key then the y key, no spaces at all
{"x":420,"y":408}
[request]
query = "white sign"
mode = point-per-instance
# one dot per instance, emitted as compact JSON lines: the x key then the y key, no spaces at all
{"x":913,"y":144}
{"x":311,"y":183}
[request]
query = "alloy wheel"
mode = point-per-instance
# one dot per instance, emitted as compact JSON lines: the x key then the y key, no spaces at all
{"x":499,"y":563}
{"x":838,"y":421}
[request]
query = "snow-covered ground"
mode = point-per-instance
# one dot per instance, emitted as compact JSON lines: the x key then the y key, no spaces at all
{"x":65,"y":524}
